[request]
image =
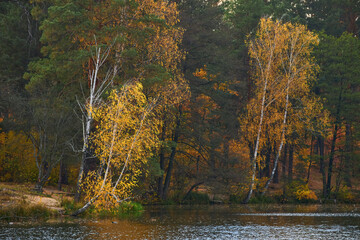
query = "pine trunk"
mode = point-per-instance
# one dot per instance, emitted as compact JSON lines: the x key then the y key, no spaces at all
{"x":321,"y":145}
{"x":331,"y":161}
{"x":172,"y":155}
{"x":348,"y":164}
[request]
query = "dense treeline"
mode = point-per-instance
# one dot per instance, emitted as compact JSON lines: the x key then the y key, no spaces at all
{"x":153,"y":100}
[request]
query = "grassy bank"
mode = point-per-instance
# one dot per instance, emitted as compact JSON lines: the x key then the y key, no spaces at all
{"x":26,"y":212}
{"x":19,"y":203}
{"x":125,"y":209}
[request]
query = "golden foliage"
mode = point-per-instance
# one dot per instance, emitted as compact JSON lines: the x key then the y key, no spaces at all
{"x":202,"y":73}
{"x":121,"y":23}
{"x":16,"y":158}
{"x":303,"y":193}
{"x":149,"y":29}
{"x":281,"y":65}
{"x":124,"y":140}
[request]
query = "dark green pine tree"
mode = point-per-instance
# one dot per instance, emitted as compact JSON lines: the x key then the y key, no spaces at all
{"x":52,"y":84}
{"x":209,"y":41}
{"x":69,"y":30}
{"x":244,"y":16}
{"x":339,"y":82}
{"x":19,"y":42}
{"x":333,"y":16}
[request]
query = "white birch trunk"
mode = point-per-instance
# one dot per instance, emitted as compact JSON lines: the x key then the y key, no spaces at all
{"x":265,"y":75}
{"x":92,"y":101}
{"x":281,"y":144}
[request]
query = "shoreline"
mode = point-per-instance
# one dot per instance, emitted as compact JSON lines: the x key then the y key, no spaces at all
{"x":19,"y":203}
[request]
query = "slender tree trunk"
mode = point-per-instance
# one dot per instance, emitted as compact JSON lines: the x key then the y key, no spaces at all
{"x":281,"y":142}
{"x":39,"y":187}
{"x":172,"y":155}
{"x":212,"y":159}
{"x":83,"y":209}
{"x":63,"y":175}
{"x":291,"y":162}
{"x":82,"y":172}
{"x":283,"y":169}
{"x":192,"y":187}
{"x":161,"y":178}
{"x":310,"y":160}
{"x":264,"y":76}
{"x":95,"y":91}
{"x":331,"y":161}
{"x":333,"y":143}
{"x":348,"y":163}
{"x":274,"y":169}
{"x":42,"y":180}
{"x":197,"y":166}
{"x":78,"y":182}
{"x":162,"y":163}
{"x":321,"y":144}
{"x":276,"y":174}
{"x":339,"y":176}
{"x":267,"y":161}
{"x":254,"y":157}
{"x":225,"y":163}
{"x":248,"y":78}
{"x":60,"y":175}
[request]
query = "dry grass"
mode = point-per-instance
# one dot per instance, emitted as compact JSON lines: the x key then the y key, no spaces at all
{"x":18,"y":200}
{"x":23,"y":211}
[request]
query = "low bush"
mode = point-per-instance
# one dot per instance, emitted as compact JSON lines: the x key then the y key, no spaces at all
{"x":69,"y":205}
{"x":197,"y":198}
{"x":258,"y":199}
{"x":344,"y":195}
{"x":304,"y":194}
{"x":23,"y":211}
{"x":125,"y":209}
{"x":299,"y":191}
{"x":236,"y":199}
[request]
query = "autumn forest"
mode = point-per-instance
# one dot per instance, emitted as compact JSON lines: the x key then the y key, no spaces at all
{"x":181,"y":101}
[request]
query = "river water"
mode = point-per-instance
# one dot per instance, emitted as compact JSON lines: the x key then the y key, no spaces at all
{"x":206,"y":222}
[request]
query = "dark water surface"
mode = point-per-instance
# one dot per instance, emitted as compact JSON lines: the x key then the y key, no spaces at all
{"x":207,"y":222}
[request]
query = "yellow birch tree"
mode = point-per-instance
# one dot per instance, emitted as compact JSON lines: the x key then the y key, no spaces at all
{"x":124,"y":140}
{"x":282,"y":70}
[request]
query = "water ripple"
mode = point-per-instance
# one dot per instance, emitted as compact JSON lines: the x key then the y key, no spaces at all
{"x":356,"y":215}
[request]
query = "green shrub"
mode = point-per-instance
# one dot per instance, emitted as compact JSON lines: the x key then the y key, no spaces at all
{"x":130,"y":207}
{"x":168,"y":202}
{"x":69,"y":205}
{"x":261,"y":200}
{"x":236,"y":199}
{"x":197,"y":198}
{"x":125,"y":209}
{"x":281,"y":198}
{"x":344,"y":195}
